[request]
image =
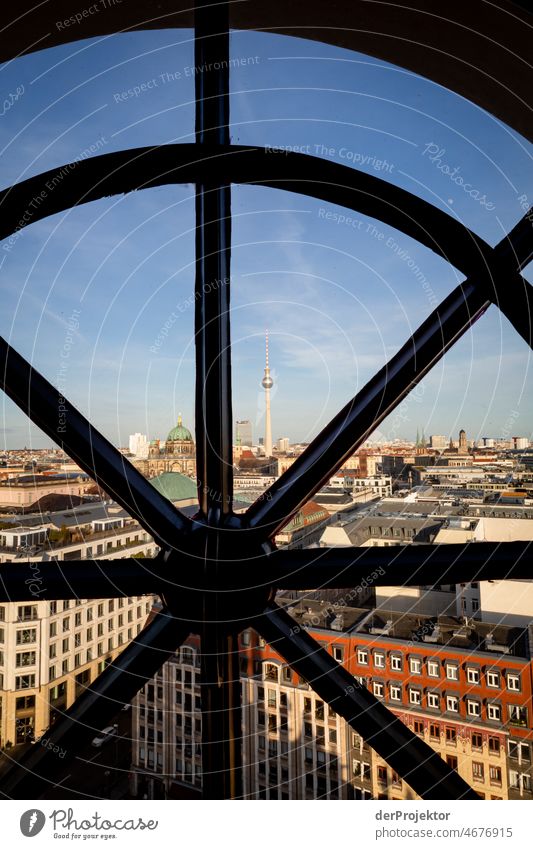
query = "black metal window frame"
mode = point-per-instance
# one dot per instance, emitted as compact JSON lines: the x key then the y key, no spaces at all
{"x":202,"y":572}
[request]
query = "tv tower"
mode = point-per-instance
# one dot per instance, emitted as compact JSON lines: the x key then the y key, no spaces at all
{"x":267,"y":384}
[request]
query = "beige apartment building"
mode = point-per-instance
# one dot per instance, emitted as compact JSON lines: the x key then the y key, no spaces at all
{"x":51,"y":651}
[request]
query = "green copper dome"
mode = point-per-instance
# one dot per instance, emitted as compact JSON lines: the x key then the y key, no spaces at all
{"x":175,"y":486}
{"x":179,"y":433}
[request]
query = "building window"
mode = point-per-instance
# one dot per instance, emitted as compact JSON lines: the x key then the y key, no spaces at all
{"x":434,"y":731}
{"x":433,"y":669}
{"x":452,"y":672}
{"x":338,"y":653}
{"x":451,"y":760}
{"x":24,"y":682}
{"x":25,"y":702}
{"x":271,"y":672}
{"x":452,"y":704}
{"x":379,"y":660}
{"x":473,"y":708}
{"x":451,"y":735}
{"x":362,"y":656}
{"x":395,"y":778}
{"x":495,"y":774}
{"x":494,"y":712}
{"x":378,"y":689}
{"x":418,"y":727}
{"x":26,"y":613}
{"x":26,"y":635}
{"x":395,"y":693}
{"x":25,"y":658}
{"x":517,"y":714}
{"x":519,"y":751}
{"x":415,"y":665}
{"x":472,"y":675}
{"x":396,"y":662}
{"x":382,"y":774}
{"x":493,"y":678}
{"x":477,"y":742}
{"x":415,"y":696}
{"x":513,"y":682}
{"x":494,"y":745}
{"x":286,"y":674}
{"x":433,"y":700}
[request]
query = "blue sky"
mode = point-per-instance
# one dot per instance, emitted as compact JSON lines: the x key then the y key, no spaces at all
{"x":338,"y":299}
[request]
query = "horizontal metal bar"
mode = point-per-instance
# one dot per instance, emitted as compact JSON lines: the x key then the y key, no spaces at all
{"x":416,"y":762}
{"x":317,"y":568}
{"x":60,"y":420}
{"x":359,"y":418}
{"x":28,"y":580}
{"x":39,"y":768}
{"x":398,"y":566}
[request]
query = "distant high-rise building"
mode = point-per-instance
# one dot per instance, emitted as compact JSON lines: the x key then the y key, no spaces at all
{"x":488,"y":442}
{"x":138,"y":445}
{"x":520,"y":442}
{"x":267,"y":384}
{"x":244,"y":433}
{"x":438,"y":442}
{"x":283,"y":444}
{"x":463,"y":445}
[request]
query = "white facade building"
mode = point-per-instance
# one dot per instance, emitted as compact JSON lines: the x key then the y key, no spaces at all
{"x":138,"y":445}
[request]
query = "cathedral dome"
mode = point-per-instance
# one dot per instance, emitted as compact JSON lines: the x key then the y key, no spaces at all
{"x":179,"y":433}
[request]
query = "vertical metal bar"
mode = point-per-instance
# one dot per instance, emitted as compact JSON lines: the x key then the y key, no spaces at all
{"x":221,"y":715}
{"x":221,"y":688}
{"x":212,"y":291}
